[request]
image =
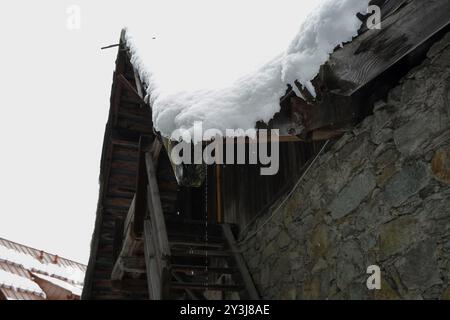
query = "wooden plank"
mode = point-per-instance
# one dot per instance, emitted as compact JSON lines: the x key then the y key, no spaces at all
{"x":133,"y":286}
{"x":373,"y":52}
{"x":132,"y":90}
{"x":129,"y":219}
{"x":141,"y":186}
{"x":125,"y":143}
{"x":138,"y":83}
{"x":245,"y":274}
{"x":156,"y":234}
{"x":219,"y":205}
{"x":153,"y":274}
{"x":189,"y":269}
{"x":388,"y":7}
{"x":118,"y":237}
{"x":130,"y":244}
{"x":191,"y":244}
{"x":190,"y":293}
{"x":206,"y":286}
{"x":176,"y":252}
{"x":183,"y":236}
{"x":155,"y":208}
{"x":133,"y":264}
{"x":333,"y":112}
{"x":156,"y":152}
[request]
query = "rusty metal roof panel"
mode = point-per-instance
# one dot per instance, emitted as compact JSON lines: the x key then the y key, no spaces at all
{"x":41,"y":261}
{"x":11,"y":294}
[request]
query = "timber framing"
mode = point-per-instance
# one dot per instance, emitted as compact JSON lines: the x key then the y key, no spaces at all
{"x":342,"y":83}
{"x":128,"y":120}
{"x":141,"y":249}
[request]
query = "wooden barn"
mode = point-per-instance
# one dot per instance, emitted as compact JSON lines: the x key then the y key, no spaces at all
{"x":168,"y":232}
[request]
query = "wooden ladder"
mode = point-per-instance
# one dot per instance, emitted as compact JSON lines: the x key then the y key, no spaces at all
{"x":184,"y":259}
{"x":206,"y":262}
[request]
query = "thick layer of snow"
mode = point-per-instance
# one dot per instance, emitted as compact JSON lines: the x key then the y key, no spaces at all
{"x":254,"y":97}
{"x":32,"y":264}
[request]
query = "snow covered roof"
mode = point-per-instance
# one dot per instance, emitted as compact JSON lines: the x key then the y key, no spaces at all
{"x":74,"y":289}
{"x":255,"y":97}
{"x":18,"y":263}
{"x":16,"y":282}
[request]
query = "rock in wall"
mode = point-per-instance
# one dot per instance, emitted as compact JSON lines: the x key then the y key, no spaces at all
{"x":379,"y":196}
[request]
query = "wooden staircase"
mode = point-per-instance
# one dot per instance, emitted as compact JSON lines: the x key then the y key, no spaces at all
{"x":181,"y":258}
{"x":205,"y":262}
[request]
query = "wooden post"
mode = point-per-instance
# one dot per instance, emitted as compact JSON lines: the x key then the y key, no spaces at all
{"x":141,"y":187}
{"x":157,"y":249}
{"x":219,"y":193}
{"x":245,"y":274}
{"x":155,"y":207}
{"x":153,"y":274}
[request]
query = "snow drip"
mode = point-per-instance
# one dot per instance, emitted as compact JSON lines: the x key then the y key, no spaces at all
{"x":255,"y":97}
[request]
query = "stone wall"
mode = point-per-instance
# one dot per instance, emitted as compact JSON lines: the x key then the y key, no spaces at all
{"x":380,"y":196}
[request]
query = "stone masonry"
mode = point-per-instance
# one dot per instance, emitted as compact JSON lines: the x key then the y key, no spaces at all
{"x":380,"y":196}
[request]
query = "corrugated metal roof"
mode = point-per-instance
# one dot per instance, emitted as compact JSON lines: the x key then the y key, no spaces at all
{"x":25,"y":271}
{"x":70,"y":287}
{"x":13,"y":294}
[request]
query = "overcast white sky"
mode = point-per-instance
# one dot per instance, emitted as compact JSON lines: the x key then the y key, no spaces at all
{"x":55,"y":87}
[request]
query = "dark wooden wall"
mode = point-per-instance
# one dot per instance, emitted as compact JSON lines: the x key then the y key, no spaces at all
{"x":246,"y":193}
{"x":128,"y":120}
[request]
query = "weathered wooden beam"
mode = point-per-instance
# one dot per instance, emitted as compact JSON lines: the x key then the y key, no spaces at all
{"x":129,"y":219}
{"x":155,"y":207}
{"x":408,"y":25}
{"x":189,"y":292}
{"x":156,"y":241}
{"x":130,"y":244}
{"x":240,"y":262}
{"x":118,"y":237}
{"x":332,"y":112}
{"x":133,"y":264}
{"x":188,"y":269}
{"x":206,"y":286}
{"x":156,"y":151}
{"x":141,"y":186}
{"x":128,"y":86}
{"x":124,"y":143}
{"x":200,"y":253}
{"x":138,"y":83}
{"x":111,"y":46}
{"x":350,"y":68}
{"x":388,"y":7}
{"x":116,"y":92}
{"x":219,"y":205}
{"x":135,"y":286}
{"x":154,"y":276}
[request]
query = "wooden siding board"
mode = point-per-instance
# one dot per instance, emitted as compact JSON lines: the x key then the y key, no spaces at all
{"x":241,"y":204}
{"x":374,"y":51}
